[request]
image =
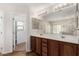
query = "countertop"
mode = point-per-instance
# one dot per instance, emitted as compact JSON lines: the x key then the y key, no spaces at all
{"x":59,"y":37}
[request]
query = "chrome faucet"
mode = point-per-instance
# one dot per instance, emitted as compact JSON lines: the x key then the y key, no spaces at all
{"x":62,"y":36}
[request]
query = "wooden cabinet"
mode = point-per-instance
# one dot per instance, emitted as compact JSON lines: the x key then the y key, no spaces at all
{"x":38,"y":45}
{"x":53,"y":48}
{"x":68,"y":49}
{"x":44,"y":47}
{"x":33,"y":43}
{"x":78,"y":50}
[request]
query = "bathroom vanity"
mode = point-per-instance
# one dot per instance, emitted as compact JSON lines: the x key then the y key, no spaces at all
{"x":45,"y":46}
{"x":58,"y":33}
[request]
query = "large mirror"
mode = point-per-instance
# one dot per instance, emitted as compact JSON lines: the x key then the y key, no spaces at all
{"x":66,"y":26}
{"x":64,"y":21}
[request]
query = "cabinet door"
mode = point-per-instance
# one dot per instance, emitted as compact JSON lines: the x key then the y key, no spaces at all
{"x":68,"y":49}
{"x":38,"y":46}
{"x":78,"y":50}
{"x":33,"y":43}
{"x":53,"y":48}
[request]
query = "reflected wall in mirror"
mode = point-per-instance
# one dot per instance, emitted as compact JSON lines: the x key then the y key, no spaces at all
{"x":35,"y":23}
{"x":65,"y":26}
{"x":41,"y":25}
{"x":45,"y":27}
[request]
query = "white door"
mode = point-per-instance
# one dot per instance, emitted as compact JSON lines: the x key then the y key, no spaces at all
{"x":8,"y":34}
{"x":1,"y":33}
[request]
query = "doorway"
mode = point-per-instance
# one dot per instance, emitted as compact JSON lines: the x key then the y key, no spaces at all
{"x":19,"y":42}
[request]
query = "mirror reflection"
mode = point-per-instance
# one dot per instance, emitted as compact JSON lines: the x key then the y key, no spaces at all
{"x":62,"y":21}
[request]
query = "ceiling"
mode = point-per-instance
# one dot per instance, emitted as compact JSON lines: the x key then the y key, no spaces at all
{"x":33,"y":6}
{"x":36,"y":8}
{"x":22,"y":6}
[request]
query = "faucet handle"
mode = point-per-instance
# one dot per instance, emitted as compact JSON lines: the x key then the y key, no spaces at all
{"x":41,"y":34}
{"x":62,"y":36}
{"x":78,"y":40}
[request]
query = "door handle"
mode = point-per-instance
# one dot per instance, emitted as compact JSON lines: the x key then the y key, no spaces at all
{"x":1,"y":32}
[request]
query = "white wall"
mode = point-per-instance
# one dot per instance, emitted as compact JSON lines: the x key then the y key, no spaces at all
{"x":28,"y":29}
{"x":20,"y":37}
{"x":15,"y":10}
{"x":10,"y":12}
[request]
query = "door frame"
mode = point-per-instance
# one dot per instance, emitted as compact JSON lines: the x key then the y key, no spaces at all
{"x":14,"y":33}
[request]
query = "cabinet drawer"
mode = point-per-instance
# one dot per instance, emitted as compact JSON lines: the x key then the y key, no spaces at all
{"x":44,"y":40}
{"x":44,"y":49}
{"x":44,"y":45}
{"x":44,"y":54}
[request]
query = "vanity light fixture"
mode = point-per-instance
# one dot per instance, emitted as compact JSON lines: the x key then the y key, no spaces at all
{"x":60,"y":6}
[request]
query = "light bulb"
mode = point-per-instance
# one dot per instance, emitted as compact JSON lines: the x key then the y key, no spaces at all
{"x":56,"y":7}
{"x":65,"y":4}
{"x":60,"y":5}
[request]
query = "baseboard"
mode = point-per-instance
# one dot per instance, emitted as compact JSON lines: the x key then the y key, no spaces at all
{"x":6,"y":52}
{"x":21,"y":43}
{"x":28,"y":51}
